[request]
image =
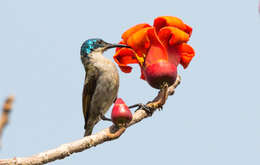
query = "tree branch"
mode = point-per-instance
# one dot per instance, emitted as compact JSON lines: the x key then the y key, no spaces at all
{"x":108,"y":134}
{"x":5,"y":115}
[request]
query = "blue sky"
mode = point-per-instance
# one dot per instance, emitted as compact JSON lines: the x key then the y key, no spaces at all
{"x":213,"y":118}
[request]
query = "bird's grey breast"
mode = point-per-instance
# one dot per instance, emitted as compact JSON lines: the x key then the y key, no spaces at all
{"x":108,"y":82}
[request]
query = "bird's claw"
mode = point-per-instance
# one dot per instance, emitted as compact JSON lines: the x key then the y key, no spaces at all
{"x":159,"y":107}
{"x":144,"y":107}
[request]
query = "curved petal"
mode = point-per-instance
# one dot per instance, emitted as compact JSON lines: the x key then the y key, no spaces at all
{"x":139,"y":41}
{"x":123,"y":57}
{"x":187,"y":53}
{"x":157,"y":51}
{"x":133,"y":29}
{"x":163,"y":21}
{"x":188,"y":29}
{"x":172,"y":35}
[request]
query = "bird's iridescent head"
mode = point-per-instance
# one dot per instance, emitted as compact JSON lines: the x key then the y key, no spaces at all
{"x":96,"y":44}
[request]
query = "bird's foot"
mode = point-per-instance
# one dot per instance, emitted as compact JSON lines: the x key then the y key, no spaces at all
{"x":151,"y":104}
{"x":144,"y":107}
{"x":160,"y":108}
{"x":103,"y":117}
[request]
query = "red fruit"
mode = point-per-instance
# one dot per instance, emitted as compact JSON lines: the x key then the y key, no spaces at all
{"x":160,"y":72}
{"x":121,"y":115}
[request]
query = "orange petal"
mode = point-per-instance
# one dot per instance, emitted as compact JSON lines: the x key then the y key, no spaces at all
{"x":157,"y":51}
{"x":125,"y":68}
{"x":163,"y":21}
{"x":133,"y":29}
{"x":126,"y":56}
{"x":123,"y":57}
{"x":187,"y":53}
{"x":139,"y":41}
{"x":188,"y":29}
{"x":172,"y":35}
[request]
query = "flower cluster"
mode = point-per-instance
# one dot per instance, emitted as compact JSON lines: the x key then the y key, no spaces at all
{"x":158,"y":49}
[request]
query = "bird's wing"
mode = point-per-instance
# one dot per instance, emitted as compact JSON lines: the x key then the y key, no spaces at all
{"x":88,"y":91}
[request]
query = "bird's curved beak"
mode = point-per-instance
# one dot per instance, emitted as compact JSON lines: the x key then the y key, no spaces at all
{"x":108,"y":46}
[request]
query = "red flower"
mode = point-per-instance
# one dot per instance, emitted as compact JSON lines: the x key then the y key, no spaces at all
{"x":158,"y":50}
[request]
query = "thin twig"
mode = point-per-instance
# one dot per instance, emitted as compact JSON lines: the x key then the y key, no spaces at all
{"x":5,"y":115}
{"x":108,"y":134}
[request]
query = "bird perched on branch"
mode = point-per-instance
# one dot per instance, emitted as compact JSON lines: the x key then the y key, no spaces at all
{"x":101,"y":82}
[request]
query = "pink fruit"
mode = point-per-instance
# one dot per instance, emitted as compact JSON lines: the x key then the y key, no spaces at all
{"x":121,"y":115}
{"x":160,"y":72}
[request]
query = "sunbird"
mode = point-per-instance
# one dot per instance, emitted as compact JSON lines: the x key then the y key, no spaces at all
{"x":101,"y":81}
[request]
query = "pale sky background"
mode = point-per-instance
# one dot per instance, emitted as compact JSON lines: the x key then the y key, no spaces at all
{"x":213,"y":118}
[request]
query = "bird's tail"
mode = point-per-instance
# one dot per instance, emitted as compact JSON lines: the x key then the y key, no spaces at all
{"x":88,"y":131}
